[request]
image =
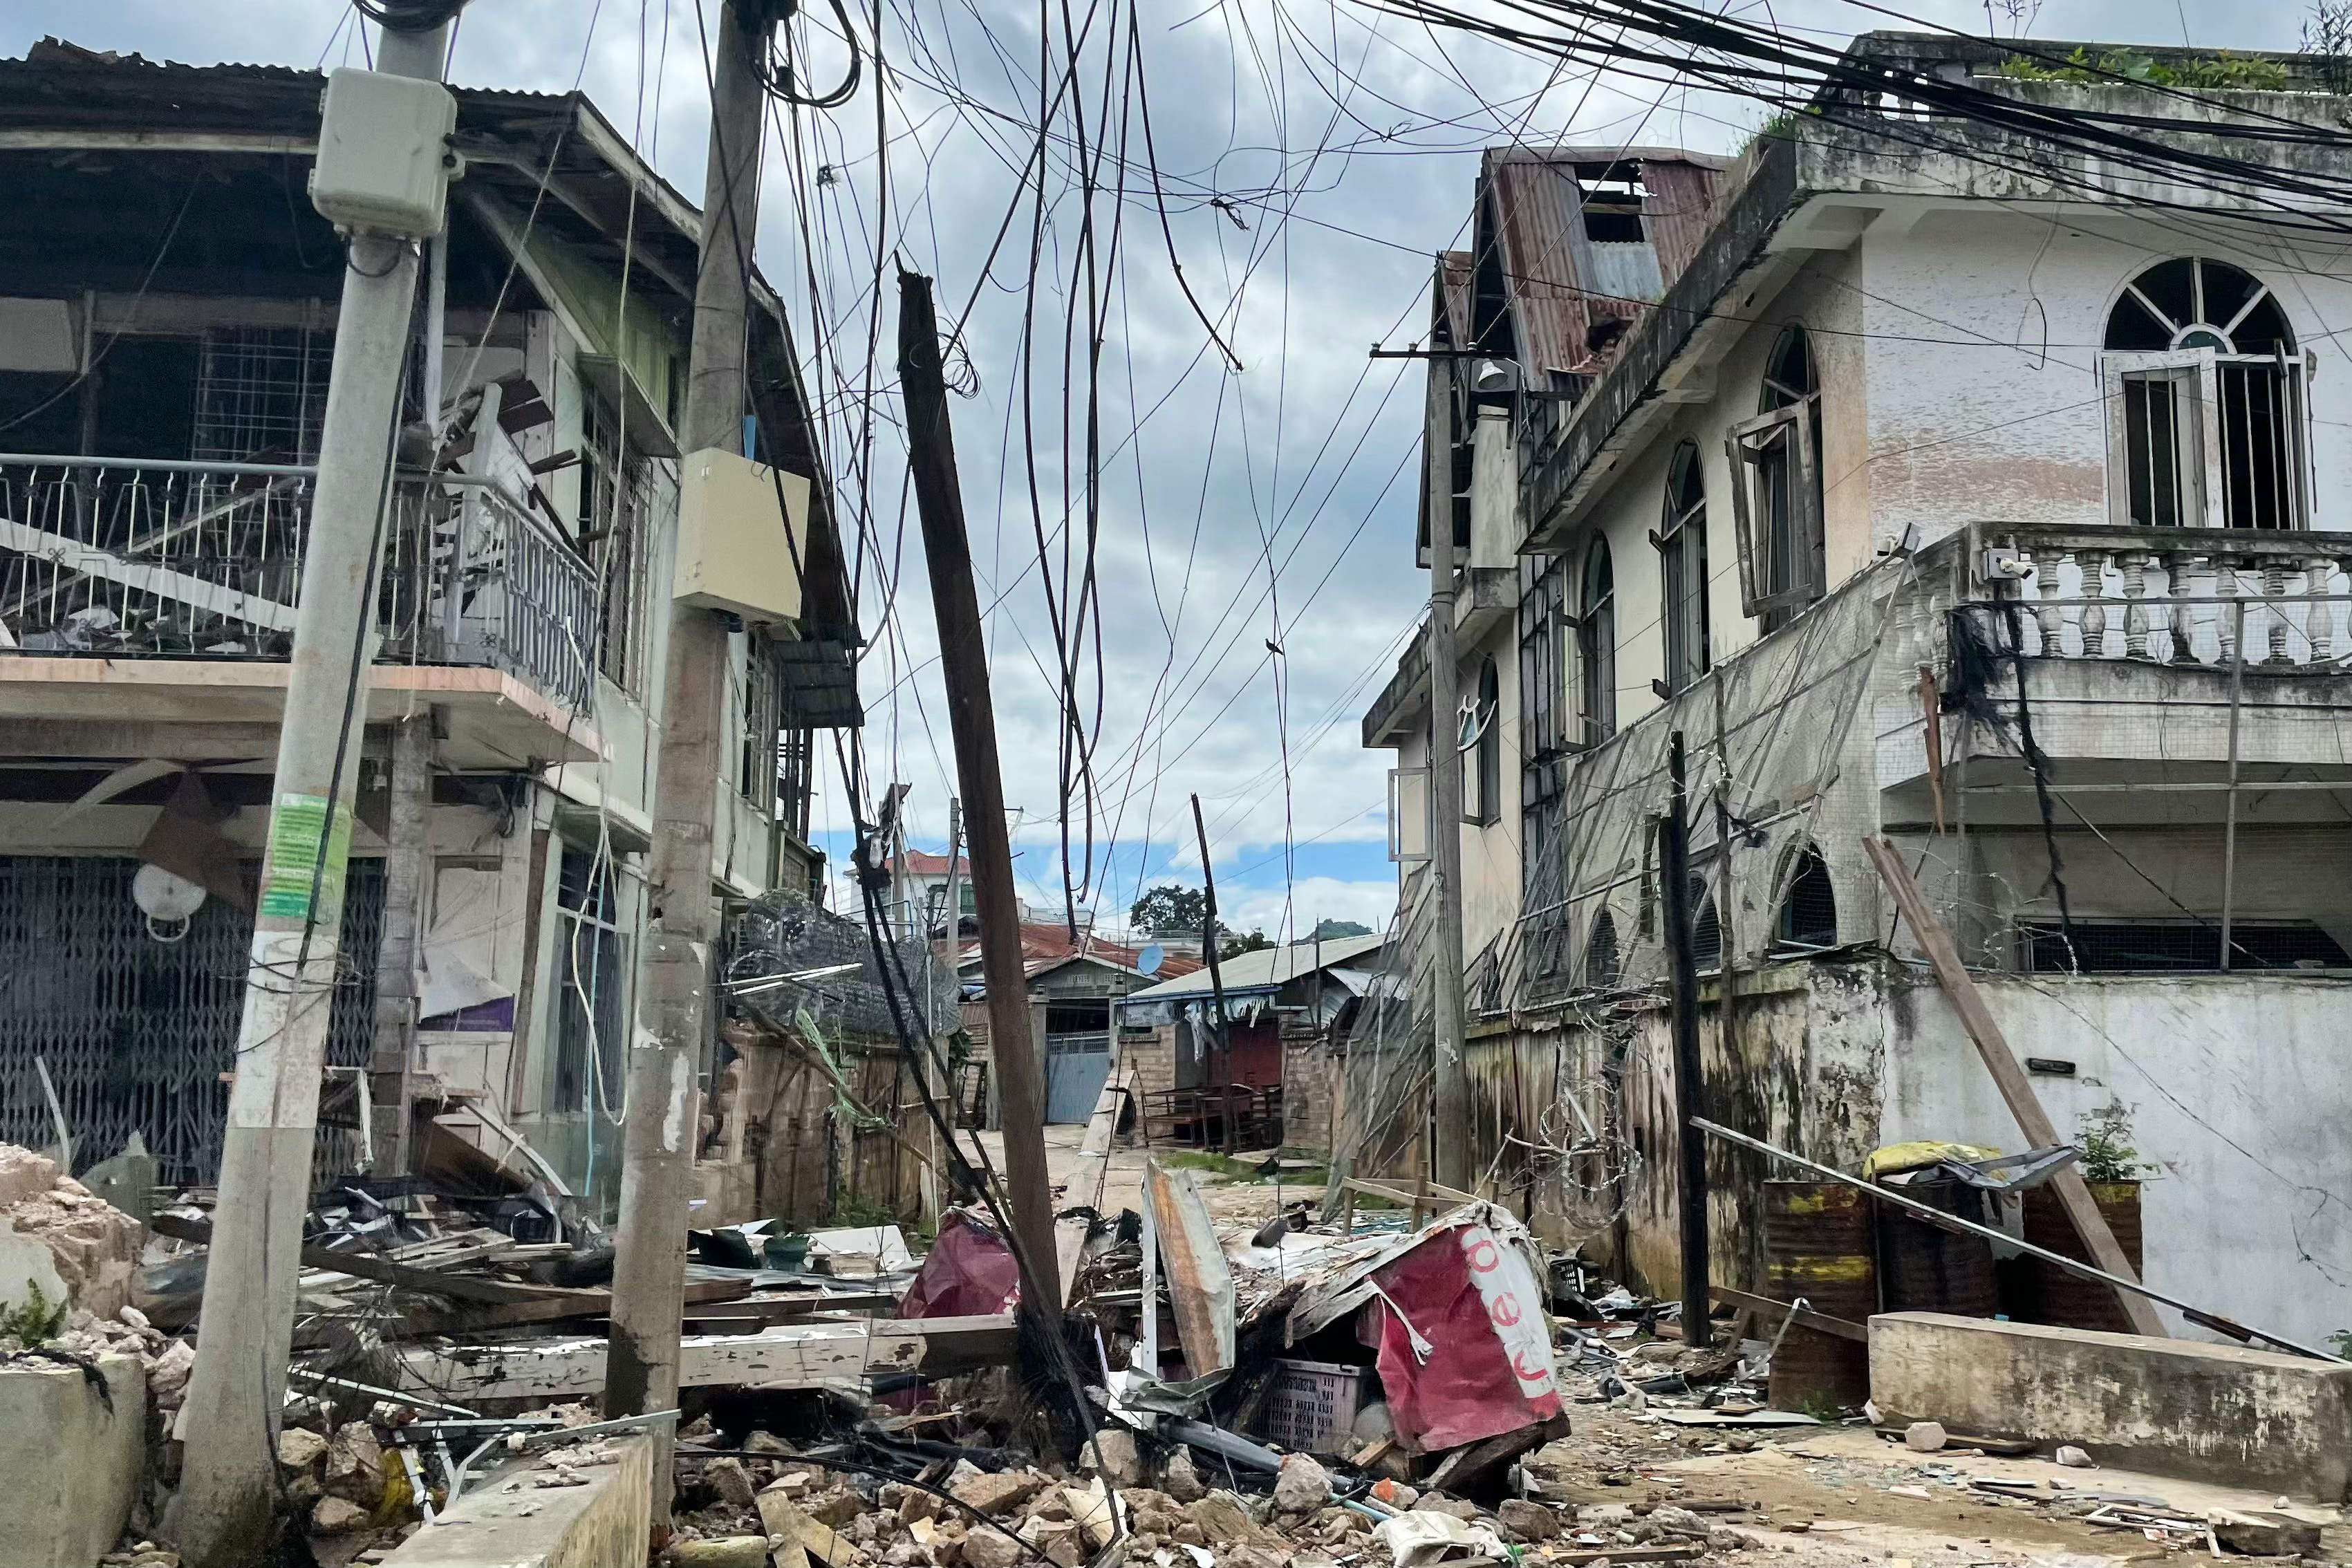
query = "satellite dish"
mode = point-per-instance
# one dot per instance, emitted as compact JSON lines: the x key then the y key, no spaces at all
{"x":1148,"y":961}
{"x":168,"y":900}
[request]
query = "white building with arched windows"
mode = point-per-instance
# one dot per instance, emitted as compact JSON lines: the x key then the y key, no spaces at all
{"x":1934,"y":484}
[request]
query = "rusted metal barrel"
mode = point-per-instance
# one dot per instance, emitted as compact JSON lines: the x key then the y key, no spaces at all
{"x":1924,"y":1269}
{"x":2047,"y":1294}
{"x":1818,"y":1246}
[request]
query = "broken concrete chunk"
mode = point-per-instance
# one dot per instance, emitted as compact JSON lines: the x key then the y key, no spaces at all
{"x":1438,"y":1502}
{"x":1530,"y":1521}
{"x":2073,"y":1459}
{"x":721,"y":1552}
{"x":1180,"y":1480}
{"x":1089,"y":1506}
{"x":765,"y":1443}
{"x":1223,"y":1520}
{"x":355,"y":1464}
{"x":1301,"y":1486}
{"x":991,"y":1548}
{"x":1057,"y":1539}
{"x":998,"y":1493}
{"x":1111,"y":1454}
{"x":2264,"y":1533}
{"x":300,"y":1450}
{"x":731,"y":1481}
{"x":1924,"y":1436}
{"x":337,"y":1516}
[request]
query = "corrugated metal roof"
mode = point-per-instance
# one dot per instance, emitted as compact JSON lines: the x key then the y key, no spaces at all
{"x":1265,"y":970}
{"x":1560,"y":281}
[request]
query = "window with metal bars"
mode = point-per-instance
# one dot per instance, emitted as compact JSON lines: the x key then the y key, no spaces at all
{"x":2127,"y":947}
{"x":1776,"y":488}
{"x":593,"y":975}
{"x":1601,"y":969}
{"x":759,"y":759}
{"x":795,"y":749}
{"x":1596,"y":644}
{"x":1809,"y":907}
{"x":2205,"y":391}
{"x":613,"y":531}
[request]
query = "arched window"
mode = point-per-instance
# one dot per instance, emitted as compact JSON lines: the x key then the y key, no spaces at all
{"x":1781,"y":559}
{"x":2205,"y":401}
{"x":1706,"y":926}
{"x":1490,"y":741}
{"x":1600,"y":967}
{"x":1682,"y":562}
{"x":1596,"y":644}
{"x":1809,"y":907}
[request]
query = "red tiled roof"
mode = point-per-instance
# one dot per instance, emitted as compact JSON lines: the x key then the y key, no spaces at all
{"x":1045,"y":943}
{"x":921,"y":865}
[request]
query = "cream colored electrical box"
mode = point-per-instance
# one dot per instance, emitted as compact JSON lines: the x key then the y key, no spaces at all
{"x":737,"y":549}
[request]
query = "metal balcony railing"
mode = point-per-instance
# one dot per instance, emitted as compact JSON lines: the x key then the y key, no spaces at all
{"x":153,"y":558}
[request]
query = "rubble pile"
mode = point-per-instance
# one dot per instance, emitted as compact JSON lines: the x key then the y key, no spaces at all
{"x":93,"y":1247}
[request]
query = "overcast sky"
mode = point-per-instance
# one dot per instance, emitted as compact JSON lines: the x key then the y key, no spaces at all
{"x":1312,"y":158}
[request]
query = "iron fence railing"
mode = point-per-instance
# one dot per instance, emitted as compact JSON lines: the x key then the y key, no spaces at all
{"x":133,"y":558}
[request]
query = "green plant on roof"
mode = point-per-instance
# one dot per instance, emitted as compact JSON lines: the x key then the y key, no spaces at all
{"x":2217,"y":71}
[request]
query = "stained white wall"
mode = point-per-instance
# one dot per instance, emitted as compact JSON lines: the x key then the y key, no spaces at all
{"x":2238,"y":1092}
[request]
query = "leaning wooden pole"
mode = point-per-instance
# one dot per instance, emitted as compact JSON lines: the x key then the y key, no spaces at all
{"x":1674,"y":872}
{"x":2016,"y":1089}
{"x":972,"y":715}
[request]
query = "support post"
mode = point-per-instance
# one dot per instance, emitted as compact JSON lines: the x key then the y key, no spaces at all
{"x":971,"y":714}
{"x":657,"y":1139}
{"x":2229,"y":801}
{"x":407,"y":876}
{"x":1224,"y":1025}
{"x":2016,"y":1089}
{"x":237,"y":1389}
{"x":1450,"y":1109}
{"x":1674,"y":871}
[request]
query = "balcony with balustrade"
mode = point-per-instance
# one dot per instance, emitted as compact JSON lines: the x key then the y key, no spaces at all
{"x":2181,"y":675}
{"x":150,"y":591}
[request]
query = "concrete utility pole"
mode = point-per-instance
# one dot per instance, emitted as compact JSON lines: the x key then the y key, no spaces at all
{"x":228,"y":1486}
{"x":971,"y":714}
{"x":1690,"y":1100}
{"x":1452,"y":1107}
{"x":657,"y":1143}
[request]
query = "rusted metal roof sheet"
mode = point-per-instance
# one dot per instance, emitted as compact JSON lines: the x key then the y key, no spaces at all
{"x":1562,"y":282}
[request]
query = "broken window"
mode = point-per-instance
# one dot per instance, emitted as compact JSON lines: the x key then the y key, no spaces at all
{"x":613,"y":531}
{"x":1596,"y":644}
{"x":1482,"y":736}
{"x":1682,"y":562}
{"x":2120,"y":947}
{"x":2205,"y":402}
{"x":593,"y":976}
{"x":1610,"y":196}
{"x":1776,"y":488}
{"x":261,"y":394}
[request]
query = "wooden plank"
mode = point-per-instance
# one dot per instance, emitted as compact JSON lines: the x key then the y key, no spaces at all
{"x":2016,"y":1089}
{"x":809,"y":1355}
{"x":1411,"y":1198}
{"x":1806,"y":1317}
{"x":1200,"y":1286}
{"x":361,"y":1265}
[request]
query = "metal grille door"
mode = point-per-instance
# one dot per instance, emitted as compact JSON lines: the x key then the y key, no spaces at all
{"x":137,"y":1033}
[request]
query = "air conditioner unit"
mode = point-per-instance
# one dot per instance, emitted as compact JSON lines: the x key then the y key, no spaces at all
{"x":737,"y":549}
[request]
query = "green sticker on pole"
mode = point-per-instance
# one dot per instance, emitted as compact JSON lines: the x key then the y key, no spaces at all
{"x":299,"y":836}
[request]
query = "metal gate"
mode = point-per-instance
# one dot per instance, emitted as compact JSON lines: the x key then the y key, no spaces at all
{"x":1075,"y":1067}
{"x":137,"y":1033}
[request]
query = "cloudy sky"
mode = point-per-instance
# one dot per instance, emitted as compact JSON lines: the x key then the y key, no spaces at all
{"x":1309,"y":159}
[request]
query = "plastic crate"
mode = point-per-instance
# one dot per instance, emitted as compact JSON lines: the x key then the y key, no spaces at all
{"x":1310,"y":1406}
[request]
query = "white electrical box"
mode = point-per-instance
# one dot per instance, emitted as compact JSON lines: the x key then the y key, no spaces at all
{"x":383,"y":161}
{"x":738,"y":550}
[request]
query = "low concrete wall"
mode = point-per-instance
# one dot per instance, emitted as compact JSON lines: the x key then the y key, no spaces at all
{"x":607,"y":1524}
{"x":2219,"y":1412}
{"x":72,"y":1468}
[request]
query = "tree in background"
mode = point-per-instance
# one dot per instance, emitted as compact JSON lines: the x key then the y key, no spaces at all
{"x":1171,"y":909}
{"x":1235,"y":944}
{"x":1332,"y":931}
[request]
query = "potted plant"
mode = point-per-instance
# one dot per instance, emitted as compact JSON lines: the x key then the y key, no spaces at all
{"x":2112,"y":1167}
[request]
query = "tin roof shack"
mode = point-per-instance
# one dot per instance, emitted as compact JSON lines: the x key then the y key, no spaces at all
{"x":167,"y":299}
{"x":1075,"y":987}
{"x":1284,"y":1008}
{"x":1976,"y":493}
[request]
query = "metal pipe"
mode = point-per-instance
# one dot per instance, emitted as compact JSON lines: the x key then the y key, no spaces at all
{"x":1936,"y":1216}
{"x":186,"y":466}
{"x":2230,"y":820}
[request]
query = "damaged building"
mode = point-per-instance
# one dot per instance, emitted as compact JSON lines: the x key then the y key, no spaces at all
{"x":1987,"y":503}
{"x":167,"y":303}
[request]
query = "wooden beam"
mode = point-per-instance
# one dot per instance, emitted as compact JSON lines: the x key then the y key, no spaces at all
{"x":1806,"y":1317}
{"x":810,"y":1355}
{"x":1200,"y":1285}
{"x":361,"y":1265}
{"x":1405,"y":1198}
{"x":2016,"y":1089}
